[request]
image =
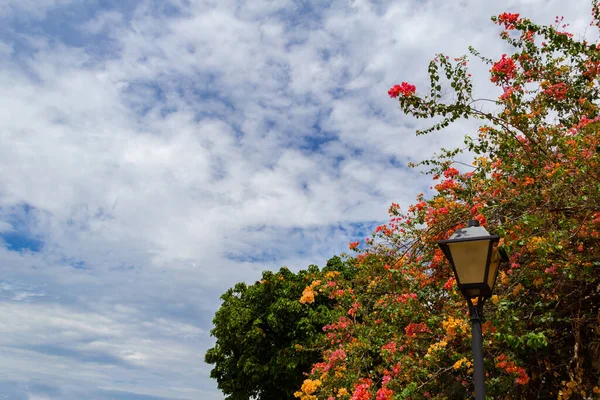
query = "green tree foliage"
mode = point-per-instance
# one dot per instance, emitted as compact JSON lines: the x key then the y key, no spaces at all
{"x":266,"y":338}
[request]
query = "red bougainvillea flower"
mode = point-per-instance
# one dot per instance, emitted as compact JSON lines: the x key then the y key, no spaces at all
{"x":405,"y":88}
{"x":558,"y":91}
{"x":504,"y":70}
{"x":412,"y":329}
{"x":421,"y":205}
{"x":449,"y":283}
{"x":450,"y":172}
{"x":508,"y":20}
{"x":361,"y":390}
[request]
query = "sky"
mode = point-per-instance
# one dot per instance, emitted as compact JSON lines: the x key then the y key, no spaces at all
{"x":153,"y":153}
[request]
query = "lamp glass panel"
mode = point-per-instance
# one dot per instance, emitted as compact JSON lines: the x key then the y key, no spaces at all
{"x":494,"y":262}
{"x":469,"y":260}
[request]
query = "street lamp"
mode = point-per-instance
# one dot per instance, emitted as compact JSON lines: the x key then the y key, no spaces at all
{"x":475,"y":258}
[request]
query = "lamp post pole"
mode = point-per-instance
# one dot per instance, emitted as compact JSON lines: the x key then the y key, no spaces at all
{"x":477,"y":349}
{"x":475,"y":259}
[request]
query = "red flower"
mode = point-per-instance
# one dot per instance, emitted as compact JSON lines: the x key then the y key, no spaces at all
{"x":523,"y":378}
{"x":508,"y":20}
{"x":504,"y":70}
{"x":449,"y":283}
{"x":450,"y":172}
{"x":404,"y":297}
{"x":353,"y":245}
{"x":352,"y":311}
{"x":361,"y":391}
{"x":391,"y":347}
{"x":558,"y":91}
{"x":482,"y":220}
{"x":412,"y":329}
{"x":405,"y":88}
{"x":446,"y":184}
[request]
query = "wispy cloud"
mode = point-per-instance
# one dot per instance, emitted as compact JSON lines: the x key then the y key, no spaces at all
{"x":154,"y":153}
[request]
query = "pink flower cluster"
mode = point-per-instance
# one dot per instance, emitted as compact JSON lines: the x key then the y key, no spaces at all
{"x":338,"y":355}
{"x":342,"y":323}
{"x":508,"y":91}
{"x":384,"y":394}
{"x":352,"y":311}
{"x":405,"y":88}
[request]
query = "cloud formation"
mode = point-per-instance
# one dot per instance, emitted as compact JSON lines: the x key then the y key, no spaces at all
{"x":155,"y":153}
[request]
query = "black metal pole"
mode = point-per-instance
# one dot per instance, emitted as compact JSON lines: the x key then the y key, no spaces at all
{"x":477,"y":348}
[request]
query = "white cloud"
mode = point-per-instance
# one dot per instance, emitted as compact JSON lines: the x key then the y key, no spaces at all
{"x":185,"y":147}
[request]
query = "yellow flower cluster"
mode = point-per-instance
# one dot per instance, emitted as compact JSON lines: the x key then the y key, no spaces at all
{"x":343,"y":392}
{"x":461,"y":362}
{"x":339,"y":371}
{"x":481,"y":161}
{"x":454,"y":326}
{"x":568,"y":390}
{"x":308,"y":388}
{"x":436,"y":347}
{"x":331,"y":274}
{"x":517,"y":289}
{"x":535,"y":243}
{"x":308,"y":295}
{"x":504,"y":278}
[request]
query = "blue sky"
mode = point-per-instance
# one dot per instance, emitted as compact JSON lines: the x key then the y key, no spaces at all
{"x":154,"y":153}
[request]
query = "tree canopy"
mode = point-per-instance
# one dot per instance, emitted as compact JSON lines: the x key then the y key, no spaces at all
{"x":266,"y":337}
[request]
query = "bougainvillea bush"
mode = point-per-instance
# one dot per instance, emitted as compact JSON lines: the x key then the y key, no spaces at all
{"x":399,"y":328}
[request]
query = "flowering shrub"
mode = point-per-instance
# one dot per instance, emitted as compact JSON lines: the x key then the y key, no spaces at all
{"x":391,"y":323}
{"x":401,"y":324}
